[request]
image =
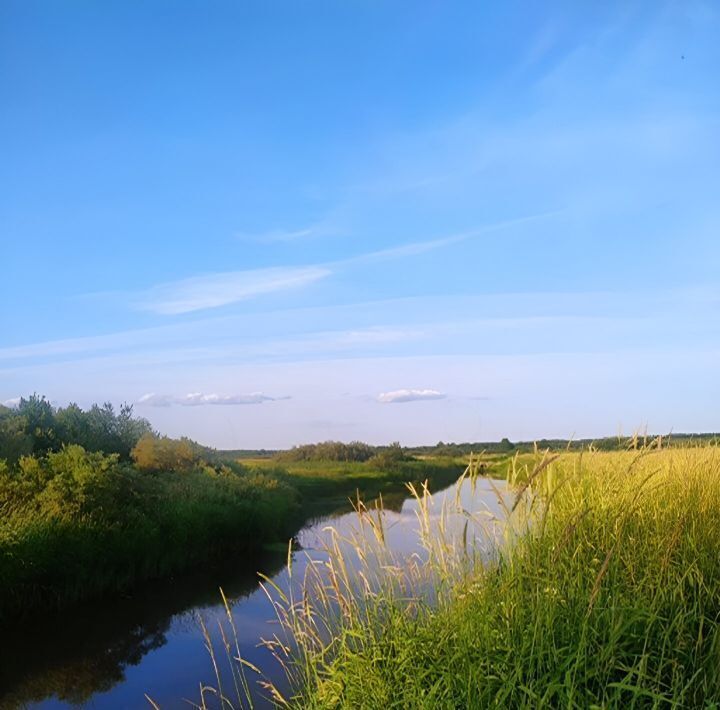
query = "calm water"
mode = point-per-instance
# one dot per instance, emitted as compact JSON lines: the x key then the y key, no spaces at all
{"x":107,"y":655}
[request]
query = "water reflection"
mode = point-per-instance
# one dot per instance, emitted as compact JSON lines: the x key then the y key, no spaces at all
{"x":87,"y":651}
{"x":109,"y":654}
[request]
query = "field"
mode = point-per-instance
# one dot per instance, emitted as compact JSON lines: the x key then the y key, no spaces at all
{"x":606,"y":594}
{"x":322,"y":483}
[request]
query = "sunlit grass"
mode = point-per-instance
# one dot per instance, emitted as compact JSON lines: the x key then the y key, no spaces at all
{"x":605,"y":593}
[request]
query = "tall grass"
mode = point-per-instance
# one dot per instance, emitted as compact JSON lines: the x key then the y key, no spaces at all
{"x":606,"y":593}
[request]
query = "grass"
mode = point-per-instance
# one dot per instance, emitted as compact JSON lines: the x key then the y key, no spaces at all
{"x":77,"y":524}
{"x":606,"y":594}
{"x":323,"y":482}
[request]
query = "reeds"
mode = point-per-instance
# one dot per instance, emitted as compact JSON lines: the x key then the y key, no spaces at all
{"x":604,"y":592}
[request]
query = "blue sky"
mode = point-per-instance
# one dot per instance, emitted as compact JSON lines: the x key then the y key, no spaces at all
{"x":266,"y":223}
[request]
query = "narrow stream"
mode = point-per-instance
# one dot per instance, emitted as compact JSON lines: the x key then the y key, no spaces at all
{"x":109,"y":654}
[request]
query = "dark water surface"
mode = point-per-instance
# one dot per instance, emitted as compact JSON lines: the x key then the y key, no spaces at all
{"x":109,"y":654}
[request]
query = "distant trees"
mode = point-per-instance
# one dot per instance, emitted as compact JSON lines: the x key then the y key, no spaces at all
{"x":389,"y":457}
{"x":36,"y":427}
{"x":330,"y":451}
{"x":380,"y":457}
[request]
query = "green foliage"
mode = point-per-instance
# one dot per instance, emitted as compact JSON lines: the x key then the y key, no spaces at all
{"x":389,"y":458}
{"x":39,"y":423}
{"x":15,"y":440}
{"x":329,"y":451}
{"x":161,"y":453}
{"x":36,"y":427}
{"x":75,"y":523}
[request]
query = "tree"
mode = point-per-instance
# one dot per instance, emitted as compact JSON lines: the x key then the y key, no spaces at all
{"x":161,"y":453}
{"x":15,"y":442}
{"x":39,"y":423}
{"x":506,"y":445}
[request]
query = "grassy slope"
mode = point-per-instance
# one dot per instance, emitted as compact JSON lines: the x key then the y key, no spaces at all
{"x":612,"y":600}
{"x":323,"y":482}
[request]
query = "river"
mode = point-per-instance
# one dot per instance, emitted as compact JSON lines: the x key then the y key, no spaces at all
{"x":108,"y":654}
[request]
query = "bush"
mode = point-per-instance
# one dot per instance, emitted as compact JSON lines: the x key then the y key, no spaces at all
{"x":389,"y":458}
{"x":74,"y":523}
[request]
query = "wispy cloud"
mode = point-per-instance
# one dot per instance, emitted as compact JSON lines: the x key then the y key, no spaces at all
{"x":277,"y":235}
{"x":194,"y":399}
{"x":220,"y":289}
{"x":560,"y":321}
{"x":223,"y":288}
{"x":409,"y":395}
{"x":422,"y":247}
{"x":328,"y":226}
{"x":12,"y":402}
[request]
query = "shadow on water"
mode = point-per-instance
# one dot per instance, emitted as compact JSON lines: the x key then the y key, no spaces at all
{"x":84,"y":651}
{"x":107,"y":653}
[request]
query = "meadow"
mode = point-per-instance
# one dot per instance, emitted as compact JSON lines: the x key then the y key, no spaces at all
{"x":605,"y":593}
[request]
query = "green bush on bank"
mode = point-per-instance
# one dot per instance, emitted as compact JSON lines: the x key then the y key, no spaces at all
{"x":75,"y":523}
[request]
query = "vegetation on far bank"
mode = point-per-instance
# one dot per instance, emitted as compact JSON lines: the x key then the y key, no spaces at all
{"x":504,"y":447}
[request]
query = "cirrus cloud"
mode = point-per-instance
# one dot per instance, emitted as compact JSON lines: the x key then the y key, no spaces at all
{"x":409,"y":395}
{"x":220,"y":289}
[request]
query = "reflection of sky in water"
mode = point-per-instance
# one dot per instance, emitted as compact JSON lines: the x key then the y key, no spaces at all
{"x":174,"y":669}
{"x":401,"y":528}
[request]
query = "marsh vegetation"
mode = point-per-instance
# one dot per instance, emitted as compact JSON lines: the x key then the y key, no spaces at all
{"x":607,"y":595}
{"x":605,"y":592}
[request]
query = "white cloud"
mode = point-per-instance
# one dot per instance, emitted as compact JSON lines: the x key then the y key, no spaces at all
{"x":194,"y":399}
{"x":155,"y":400}
{"x":12,"y":402}
{"x":409,"y":395}
{"x":198,"y":398}
{"x":213,"y":290}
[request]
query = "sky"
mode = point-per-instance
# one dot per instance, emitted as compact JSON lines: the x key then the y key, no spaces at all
{"x":270,"y":223}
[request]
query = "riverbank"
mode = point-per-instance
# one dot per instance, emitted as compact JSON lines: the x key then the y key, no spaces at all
{"x":110,"y":650}
{"x":76,"y":525}
{"x":610,"y":598}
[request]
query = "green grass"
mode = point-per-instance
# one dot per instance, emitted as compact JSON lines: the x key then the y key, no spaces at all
{"x":324,"y":486}
{"x":76,"y":524}
{"x":606,"y":595}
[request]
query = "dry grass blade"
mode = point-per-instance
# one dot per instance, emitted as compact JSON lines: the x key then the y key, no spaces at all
{"x":536,"y":472}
